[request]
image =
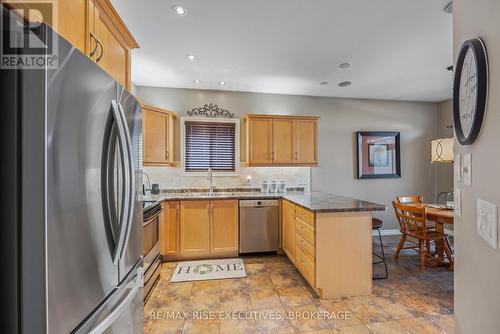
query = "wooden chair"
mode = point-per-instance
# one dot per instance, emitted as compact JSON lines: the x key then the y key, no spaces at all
{"x":412,"y":199}
{"x":413,"y":223}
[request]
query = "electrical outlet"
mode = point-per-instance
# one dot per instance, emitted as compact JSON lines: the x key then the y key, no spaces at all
{"x":487,"y":224}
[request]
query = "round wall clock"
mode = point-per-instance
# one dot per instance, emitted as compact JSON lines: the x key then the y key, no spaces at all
{"x":470,"y":89}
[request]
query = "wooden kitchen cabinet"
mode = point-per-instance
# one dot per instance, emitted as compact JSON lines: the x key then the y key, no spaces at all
{"x":109,"y":41}
{"x":206,"y":229}
{"x":224,"y":223}
{"x":157,"y":136}
{"x":259,"y":140}
{"x":170,"y":229}
{"x":288,"y":228}
{"x":283,"y":141}
{"x":95,"y":28}
{"x":194,"y":228}
{"x":274,"y":140}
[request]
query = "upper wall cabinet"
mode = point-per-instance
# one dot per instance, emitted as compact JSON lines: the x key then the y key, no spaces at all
{"x":95,"y":28}
{"x":109,"y":41}
{"x":282,"y":140}
{"x":157,"y":136}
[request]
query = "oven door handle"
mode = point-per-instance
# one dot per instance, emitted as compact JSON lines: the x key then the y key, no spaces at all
{"x":150,"y":220}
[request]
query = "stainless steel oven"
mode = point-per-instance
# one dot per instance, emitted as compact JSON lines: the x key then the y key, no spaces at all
{"x":151,"y":244}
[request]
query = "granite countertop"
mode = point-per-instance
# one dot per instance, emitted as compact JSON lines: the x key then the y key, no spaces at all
{"x":314,"y":201}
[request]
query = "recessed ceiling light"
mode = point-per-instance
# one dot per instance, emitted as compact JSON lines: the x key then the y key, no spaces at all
{"x":323,"y":83}
{"x":345,"y":65}
{"x":222,"y":83}
{"x":179,"y":10}
{"x":191,"y":57}
{"x":345,"y":83}
{"x":197,"y":81}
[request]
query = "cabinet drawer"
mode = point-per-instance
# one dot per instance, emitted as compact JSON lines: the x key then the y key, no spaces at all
{"x":306,"y":230}
{"x":305,"y":215}
{"x":305,"y":264}
{"x":307,"y":245}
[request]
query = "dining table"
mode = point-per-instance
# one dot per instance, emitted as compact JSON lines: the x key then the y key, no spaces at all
{"x":441,"y":216}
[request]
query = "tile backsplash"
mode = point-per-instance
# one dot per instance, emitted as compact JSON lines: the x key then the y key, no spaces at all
{"x":174,"y":177}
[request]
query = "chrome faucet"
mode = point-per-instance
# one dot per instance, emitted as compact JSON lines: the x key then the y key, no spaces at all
{"x":210,"y":178}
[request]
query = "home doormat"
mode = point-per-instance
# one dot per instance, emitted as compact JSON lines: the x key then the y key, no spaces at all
{"x":208,"y":270}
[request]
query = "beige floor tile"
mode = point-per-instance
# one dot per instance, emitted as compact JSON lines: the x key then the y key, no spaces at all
{"x":396,"y":307}
{"x":367,"y":310}
{"x":236,"y":326}
{"x":265,"y":299}
{"x":281,"y":280}
{"x":273,"y":321}
{"x":171,"y":304}
{"x":389,"y":327}
{"x":358,"y":329}
{"x":233,"y":284}
{"x":259,"y":282}
{"x":319,"y":331}
{"x":305,"y":318}
{"x":204,"y":287}
{"x":255,"y":269}
{"x":297,"y":296}
{"x":201,"y":326}
{"x":163,"y":327}
{"x":427,"y":304}
{"x":204,"y":302}
{"x":421,"y":326}
{"x":234,"y":300}
{"x":445,"y":322}
{"x":177,"y":289}
{"x":339,"y":313}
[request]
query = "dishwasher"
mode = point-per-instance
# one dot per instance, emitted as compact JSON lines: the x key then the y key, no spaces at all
{"x":259,"y":226}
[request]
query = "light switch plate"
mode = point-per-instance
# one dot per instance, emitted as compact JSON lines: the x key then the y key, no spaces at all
{"x":467,"y":169}
{"x":457,"y":203}
{"x":487,"y":224}
{"x":457,"y":167}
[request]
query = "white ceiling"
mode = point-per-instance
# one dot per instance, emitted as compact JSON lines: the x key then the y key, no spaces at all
{"x":399,"y":49}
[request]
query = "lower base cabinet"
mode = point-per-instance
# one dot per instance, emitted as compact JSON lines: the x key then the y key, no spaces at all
{"x":198,"y":229}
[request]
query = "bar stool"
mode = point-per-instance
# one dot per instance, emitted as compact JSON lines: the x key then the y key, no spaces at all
{"x":376,"y":225}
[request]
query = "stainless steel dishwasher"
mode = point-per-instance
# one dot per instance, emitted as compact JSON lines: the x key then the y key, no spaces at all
{"x":259,"y":226}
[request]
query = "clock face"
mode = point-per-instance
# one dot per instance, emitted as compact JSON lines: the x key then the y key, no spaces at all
{"x":470,"y":90}
{"x":468,"y":93}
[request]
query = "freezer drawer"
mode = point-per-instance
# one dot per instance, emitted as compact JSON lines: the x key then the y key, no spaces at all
{"x":259,"y":226}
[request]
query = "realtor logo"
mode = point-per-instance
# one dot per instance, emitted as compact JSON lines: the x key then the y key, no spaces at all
{"x":26,"y":41}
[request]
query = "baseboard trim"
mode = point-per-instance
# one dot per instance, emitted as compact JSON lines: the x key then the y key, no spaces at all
{"x":394,"y":231}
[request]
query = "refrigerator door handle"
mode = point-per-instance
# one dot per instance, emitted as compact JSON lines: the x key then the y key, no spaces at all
{"x":125,"y":216}
{"x":130,"y":190}
{"x":115,"y":314}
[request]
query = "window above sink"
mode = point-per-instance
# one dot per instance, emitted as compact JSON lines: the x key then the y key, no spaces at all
{"x":210,"y":143}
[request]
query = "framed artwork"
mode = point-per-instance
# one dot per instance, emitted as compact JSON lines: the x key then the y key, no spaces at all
{"x":378,"y":154}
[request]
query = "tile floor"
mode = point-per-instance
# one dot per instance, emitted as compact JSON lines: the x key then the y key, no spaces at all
{"x":407,"y":302}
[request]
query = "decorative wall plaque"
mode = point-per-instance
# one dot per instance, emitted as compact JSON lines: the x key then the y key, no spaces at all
{"x":210,"y":110}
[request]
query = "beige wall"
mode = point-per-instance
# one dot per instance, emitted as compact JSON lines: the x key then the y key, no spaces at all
{"x":340,"y":119}
{"x":477,"y":267}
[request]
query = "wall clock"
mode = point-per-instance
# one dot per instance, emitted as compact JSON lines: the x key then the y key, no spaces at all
{"x":470,"y":89}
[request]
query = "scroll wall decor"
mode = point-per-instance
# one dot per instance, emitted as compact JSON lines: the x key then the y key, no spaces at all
{"x":210,"y":110}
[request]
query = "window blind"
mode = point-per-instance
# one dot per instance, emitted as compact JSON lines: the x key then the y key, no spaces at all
{"x":210,"y":144}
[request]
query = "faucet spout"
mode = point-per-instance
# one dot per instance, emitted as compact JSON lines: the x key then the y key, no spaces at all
{"x":210,"y":178}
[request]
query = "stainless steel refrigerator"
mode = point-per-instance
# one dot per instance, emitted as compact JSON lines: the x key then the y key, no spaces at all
{"x":71,"y":198}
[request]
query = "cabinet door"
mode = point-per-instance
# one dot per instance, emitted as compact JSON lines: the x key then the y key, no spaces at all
{"x":194,"y":228}
{"x":224,"y":230}
{"x":289,"y":230}
{"x":283,"y":148}
{"x":260,"y":140}
{"x":170,"y":228}
{"x":306,"y":142}
{"x":72,"y":21}
{"x":155,"y":133}
{"x":109,"y":54}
